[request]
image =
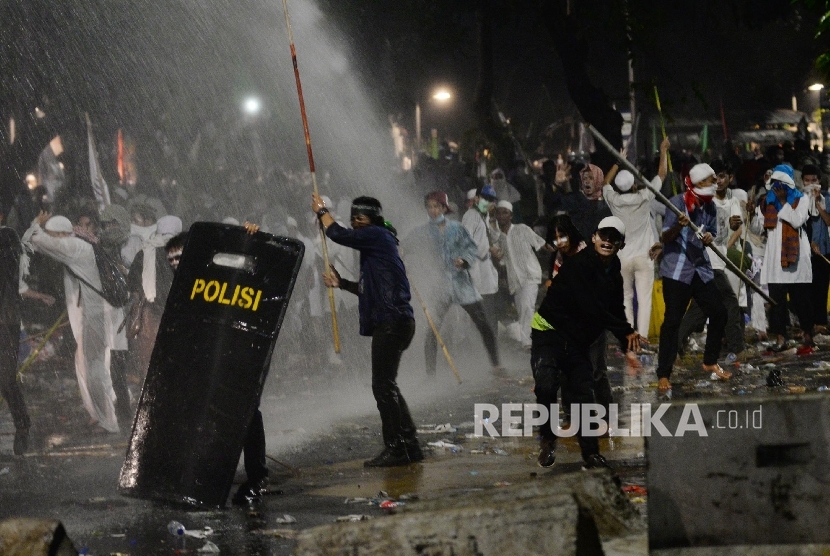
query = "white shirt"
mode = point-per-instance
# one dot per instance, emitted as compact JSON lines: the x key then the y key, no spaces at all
{"x":634,"y":209}
{"x":727,"y":208}
{"x":484,"y":274}
{"x":521,"y":262}
{"x":771,"y":270}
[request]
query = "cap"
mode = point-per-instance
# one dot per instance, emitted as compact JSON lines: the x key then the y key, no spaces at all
{"x":471,"y":193}
{"x":439,"y":197}
{"x":624,"y":180}
{"x":505,"y":205}
{"x":59,"y":224}
{"x":612,"y":222}
{"x":488,"y":192}
{"x":700,"y":172}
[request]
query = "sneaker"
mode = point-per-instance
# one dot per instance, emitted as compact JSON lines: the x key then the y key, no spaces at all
{"x":595,"y":461}
{"x":390,"y":457}
{"x":413,"y":450}
{"x":547,"y":452}
{"x":250,"y":492}
{"x":21,"y":441}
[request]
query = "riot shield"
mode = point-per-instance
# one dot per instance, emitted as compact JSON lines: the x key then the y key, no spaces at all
{"x":209,"y":363}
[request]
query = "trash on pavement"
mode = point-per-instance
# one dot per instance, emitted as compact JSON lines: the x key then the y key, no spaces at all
{"x":636,"y":490}
{"x":199,"y":533}
{"x":502,"y":484}
{"x":278,"y":533}
{"x":352,"y":518}
{"x":389,"y":506}
{"x":176,"y":529}
{"x":209,"y":548}
{"x":4,"y":471}
{"x":445,"y":444}
{"x":285,"y":519}
{"x":359,"y":500}
{"x":500,"y":452}
{"x":437,"y":429}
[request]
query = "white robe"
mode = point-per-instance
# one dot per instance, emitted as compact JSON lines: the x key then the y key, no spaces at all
{"x":93,"y":323}
{"x":484,"y":275}
{"x":771,"y":270}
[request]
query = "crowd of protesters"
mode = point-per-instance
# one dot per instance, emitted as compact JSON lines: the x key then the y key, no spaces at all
{"x":482,"y":244}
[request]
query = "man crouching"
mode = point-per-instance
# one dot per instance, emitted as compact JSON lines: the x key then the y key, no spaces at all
{"x":584,"y":299}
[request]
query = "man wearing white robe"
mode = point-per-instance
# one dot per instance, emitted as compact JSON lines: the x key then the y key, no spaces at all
{"x":524,"y":274}
{"x":94,"y":322}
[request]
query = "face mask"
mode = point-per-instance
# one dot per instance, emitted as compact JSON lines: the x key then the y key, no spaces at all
{"x":483,"y":205}
{"x":437,"y":220}
{"x":561,"y":242}
{"x":705,"y":191}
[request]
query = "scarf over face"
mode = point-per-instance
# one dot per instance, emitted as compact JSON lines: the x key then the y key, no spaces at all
{"x":695,"y":196}
{"x":789,"y":235}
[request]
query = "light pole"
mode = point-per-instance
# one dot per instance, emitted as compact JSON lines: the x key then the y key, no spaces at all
{"x":440,"y":96}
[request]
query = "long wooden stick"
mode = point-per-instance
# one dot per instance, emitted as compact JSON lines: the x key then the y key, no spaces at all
{"x":662,"y":123}
{"x":36,"y":352}
{"x":334,"y":328}
{"x":435,"y":331}
{"x":662,"y":198}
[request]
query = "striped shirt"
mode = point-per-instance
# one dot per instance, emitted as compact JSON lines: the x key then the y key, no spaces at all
{"x":686,"y":255}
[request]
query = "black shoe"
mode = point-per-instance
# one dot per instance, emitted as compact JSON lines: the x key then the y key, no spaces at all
{"x":774,"y":379}
{"x":595,"y":461}
{"x":250,"y":492}
{"x":21,"y":441}
{"x":413,"y":450}
{"x":391,"y":456}
{"x":547,"y":452}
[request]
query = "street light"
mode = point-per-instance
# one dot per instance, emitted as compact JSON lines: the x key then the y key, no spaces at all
{"x":252,"y":106}
{"x":816,"y":87}
{"x":440,"y":96}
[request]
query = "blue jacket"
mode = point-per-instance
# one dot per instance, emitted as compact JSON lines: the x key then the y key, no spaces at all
{"x":383,"y":288}
{"x":435,"y":252}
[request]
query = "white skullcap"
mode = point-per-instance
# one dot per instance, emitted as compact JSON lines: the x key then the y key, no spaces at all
{"x":291,"y":221}
{"x":700,"y":172}
{"x":612,"y":222}
{"x":624,"y":180}
{"x":505,"y":205}
{"x":228,"y":220}
{"x":471,"y":193}
{"x":59,"y":224}
{"x":169,"y":224}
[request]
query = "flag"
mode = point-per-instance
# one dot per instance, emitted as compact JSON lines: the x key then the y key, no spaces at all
{"x":120,"y":157}
{"x":704,"y":138}
{"x":99,"y":186}
{"x":631,"y":147}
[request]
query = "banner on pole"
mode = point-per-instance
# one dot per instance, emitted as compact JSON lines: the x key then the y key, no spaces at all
{"x":99,"y":186}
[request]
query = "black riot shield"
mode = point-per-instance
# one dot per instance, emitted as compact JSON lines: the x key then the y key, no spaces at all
{"x":209,"y":364}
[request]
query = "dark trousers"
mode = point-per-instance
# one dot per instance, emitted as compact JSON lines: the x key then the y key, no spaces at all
{"x":602,"y":387}
{"x":119,"y":363}
{"x":9,"y":388}
{"x":779,"y":314}
{"x":551,"y":354}
{"x":389,"y":340}
{"x":490,"y":303}
{"x":820,"y":286}
{"x":476,"y":312}
{"x":256,"y":467}
{"x":676,"y":296}
{"x":734,"y":331}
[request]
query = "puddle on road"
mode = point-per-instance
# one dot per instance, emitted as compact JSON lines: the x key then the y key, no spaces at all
{"x":444,"y":472}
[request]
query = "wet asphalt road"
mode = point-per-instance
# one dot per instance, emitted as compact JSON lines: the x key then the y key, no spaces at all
{"x":319,"y":430}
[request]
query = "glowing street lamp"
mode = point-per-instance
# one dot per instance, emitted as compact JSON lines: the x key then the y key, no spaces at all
{"x":815,"y":87}
{"x":440,"y":96}
{"x":252,"y":106}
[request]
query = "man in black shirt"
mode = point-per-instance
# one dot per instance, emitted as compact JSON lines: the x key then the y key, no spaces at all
{"x":10,"y":334}
{"x":584,"y":300}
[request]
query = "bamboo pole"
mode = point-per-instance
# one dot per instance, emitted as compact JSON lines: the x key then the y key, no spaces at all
{"x":662,"y":198}
{"x":435,"y":331}
{"x":332,"y":304}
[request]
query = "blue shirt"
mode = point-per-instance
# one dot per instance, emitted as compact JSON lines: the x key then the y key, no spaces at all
{"x":435,"y":250}
{"x":383,"y":288}
{"x":818,"y":229}
{"x":686,"y":255}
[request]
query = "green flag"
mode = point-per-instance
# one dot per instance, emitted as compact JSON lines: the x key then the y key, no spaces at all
{"x":704,"y":138}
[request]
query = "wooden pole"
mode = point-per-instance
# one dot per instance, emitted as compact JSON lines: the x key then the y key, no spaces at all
{"x":332,"y":304}
{"x":435,"y":331}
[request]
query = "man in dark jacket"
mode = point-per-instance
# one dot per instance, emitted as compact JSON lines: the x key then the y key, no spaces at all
{"x":584,"y":299}
{"x":10,"y":334}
